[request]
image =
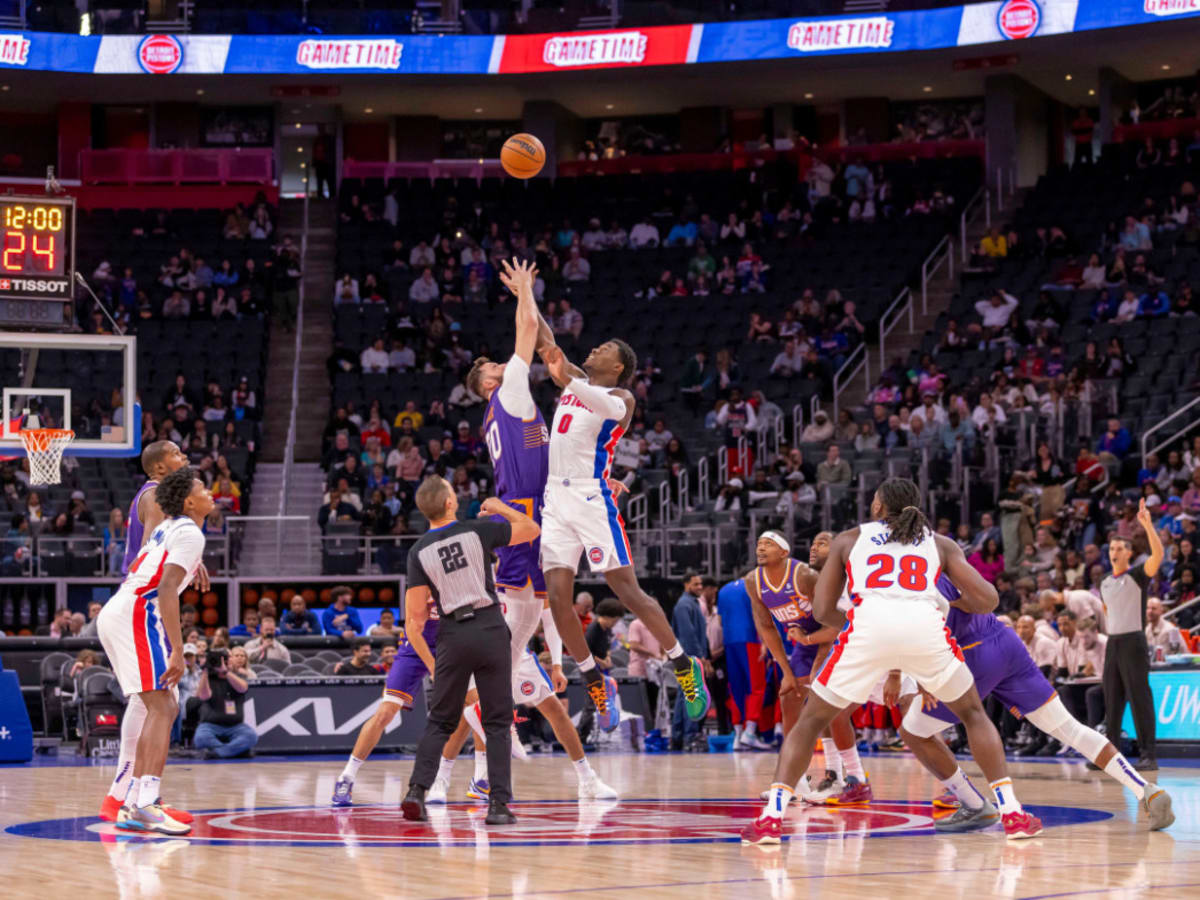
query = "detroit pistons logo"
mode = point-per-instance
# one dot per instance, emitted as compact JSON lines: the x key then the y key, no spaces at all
{"x":596,"y":555}
{"x":1018,"y":19}
{"x":160,"y":54}
{"x":527,"y":688}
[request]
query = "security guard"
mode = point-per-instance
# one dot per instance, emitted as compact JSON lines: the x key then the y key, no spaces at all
{"x":452,"y":562}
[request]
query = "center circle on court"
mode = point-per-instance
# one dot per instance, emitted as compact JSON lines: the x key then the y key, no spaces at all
{"x":538,"y":823}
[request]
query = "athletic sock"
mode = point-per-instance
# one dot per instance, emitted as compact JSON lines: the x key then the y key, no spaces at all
{"x":750,"y":728}
{"x":445,"y":767}
{"x":353,"y":764}
{"x":149,"y":787}
{"x":481,"y":772}
{"x":131,"y":730}
{"x":120,"y":785}
{"x":777,"y":801}
{"x":583,"y":769}
{"x":830,"y":750}
{"x":675,"y":652}
{"x":960,"y":786}
{"x":1118,"y":767}
{"x":1006,"y":797}
{"x":588,"y":664}
{"x":474,"y":718}
{"x":851,"y":764}
{"x":833,"y":762}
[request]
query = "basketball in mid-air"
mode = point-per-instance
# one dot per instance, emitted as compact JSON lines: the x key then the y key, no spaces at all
{"x":522,"y":156}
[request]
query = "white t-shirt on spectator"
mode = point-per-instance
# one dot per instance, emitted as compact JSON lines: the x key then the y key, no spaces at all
{"x":374,"y":361}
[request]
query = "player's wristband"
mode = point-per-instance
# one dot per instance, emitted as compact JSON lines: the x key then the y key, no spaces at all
{"x":553,"y":641}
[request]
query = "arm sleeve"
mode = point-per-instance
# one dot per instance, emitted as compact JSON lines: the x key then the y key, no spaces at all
{"x":185,"y":548}
{"x":492,"y":534}
{"x":416,"y":572}
{"x":514,"y":389}
{"x":608,"y":405}
{"x":553,"y":640}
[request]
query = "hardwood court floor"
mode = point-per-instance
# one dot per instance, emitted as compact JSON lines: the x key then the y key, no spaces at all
{"x":267,"y":831}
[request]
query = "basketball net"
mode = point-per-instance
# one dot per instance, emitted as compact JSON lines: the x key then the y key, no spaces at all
{"x":44,"y":447}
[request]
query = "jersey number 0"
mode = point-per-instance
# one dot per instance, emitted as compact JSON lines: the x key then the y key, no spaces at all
{"x":911,"y":577}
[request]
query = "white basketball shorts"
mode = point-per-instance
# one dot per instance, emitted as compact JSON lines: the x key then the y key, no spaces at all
{"x":135,"y":641}
{"x":581,"y":517}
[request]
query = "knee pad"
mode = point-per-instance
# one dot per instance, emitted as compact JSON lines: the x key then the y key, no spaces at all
{"x":920,"y":724}
{"x":1055,"y":721}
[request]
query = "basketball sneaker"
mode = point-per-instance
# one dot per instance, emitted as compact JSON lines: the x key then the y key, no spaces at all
{"x":604,"y":695}
{"x":178,"y":815}
{"x":763,"y":830}
{"x":946,"y":800}
{"x":695,"y":691}
{"x":751,"y":741}
{"x":478,"y":790}
{"x":969,"y":819}
{"x":1157,"y":804}
{"x":592,"y":788}
{"x":152,"y":819}
{"x":855,"y":793}
{"x":437,"y":793}
{"x":831,"y":785}
{"x":111,"y":806}
{"x":1021,"y":825}
{"x":342,"y":790}
{"x":518,"y":749}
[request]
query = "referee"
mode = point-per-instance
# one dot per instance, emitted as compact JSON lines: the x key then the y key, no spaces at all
{"x":1127,"y":657}
{"x":452,"y":562}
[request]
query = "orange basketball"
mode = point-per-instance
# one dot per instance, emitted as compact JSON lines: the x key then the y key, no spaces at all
{"x":209,"y":600}
{"x":209,"y":617}
{"x":191,"y":595}
{"x":522,"y":156}
{"x":387,"y":596}
{"x":309,"y":595}
{"x":286,"y":597}
{"x":325,"y":596}
{"x":250,"y":597}
{"x":269,"y":594}
{"x":366,"y":595}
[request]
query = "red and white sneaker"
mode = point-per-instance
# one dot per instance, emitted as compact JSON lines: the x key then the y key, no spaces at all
{"x":763,"y":830}
{"x":109,"y":808}
{"x":855,"y":793}
{"x":178,"y":815}
{"x":1021,"y":825}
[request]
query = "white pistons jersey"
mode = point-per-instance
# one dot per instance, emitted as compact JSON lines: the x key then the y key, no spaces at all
{"x":582,"y":440}
{"x":880,"y":570}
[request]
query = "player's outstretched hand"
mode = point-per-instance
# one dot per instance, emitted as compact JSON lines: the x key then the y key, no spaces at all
{"x":1143,"y":515}
{"x":517,"y":274}
{"x":493,"y":506}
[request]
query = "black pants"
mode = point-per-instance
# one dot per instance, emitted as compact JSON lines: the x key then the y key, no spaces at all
{"x":1127,"y":677}
{"x":718,"y":687}
{"x":479,"y":647}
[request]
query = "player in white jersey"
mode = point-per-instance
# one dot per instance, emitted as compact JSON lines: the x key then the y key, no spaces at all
{"x":580,"y":517}
{"x":892,"y":564}
{"x":139,"y":628}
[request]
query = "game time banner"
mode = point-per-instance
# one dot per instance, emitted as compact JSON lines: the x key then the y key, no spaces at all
{"x":620,"y":48}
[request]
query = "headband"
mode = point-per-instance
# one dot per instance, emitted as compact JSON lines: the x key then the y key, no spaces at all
{"x":776,"y":538}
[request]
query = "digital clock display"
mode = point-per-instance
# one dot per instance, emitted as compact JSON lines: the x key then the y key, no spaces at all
{"x":37,"y":248}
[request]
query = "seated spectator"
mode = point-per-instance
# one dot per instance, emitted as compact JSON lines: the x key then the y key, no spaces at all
{"x":265,"y":646}
{"x":424,"y":289}
{"x":299,"y":619}
{"x":228,"y":495}
{"x":346,"y":290}
{"x":576,"y":268}
{"x":995,"y":313}
{"x":568,"y":321}
{"x":789,"y":361}
{"x":421,"y":255}
{"x":761,"y":328}
{"x":249,"y":626}
{"x":819,"y":430}
{"x":359,"y":664}
{"x":386,"y":626}
{"x":834,"y":469}
{"x":1115,"y":441}
{"x":337,"y":509}
{"x":683,"y":233}
{"x":994,"y":245}
{"x":1162,"y":636}
{"x":341,"y":618}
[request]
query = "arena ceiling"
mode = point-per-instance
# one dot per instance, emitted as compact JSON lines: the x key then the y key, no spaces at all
{"x":1140,"y":53}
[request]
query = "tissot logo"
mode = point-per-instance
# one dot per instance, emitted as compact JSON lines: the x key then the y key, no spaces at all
{"x":596,"y":49}
{"x":37,"y":285}
{"x":14,"y":50}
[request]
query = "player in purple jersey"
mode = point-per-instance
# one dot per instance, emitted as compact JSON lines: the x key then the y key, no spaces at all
{"x":413,"y":661}
{"x":159,"y":460}
{"x":1002,"y":666}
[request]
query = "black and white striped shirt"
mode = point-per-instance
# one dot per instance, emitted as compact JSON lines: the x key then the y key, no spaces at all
{"x":455,"y":563}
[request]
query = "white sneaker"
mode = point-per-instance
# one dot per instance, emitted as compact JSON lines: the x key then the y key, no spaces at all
{"x":518,"y":749}
{"x":831,"y":786}
{"x":753,"y":742}
{"x":437,"y":793}
{"x":592,"y":788}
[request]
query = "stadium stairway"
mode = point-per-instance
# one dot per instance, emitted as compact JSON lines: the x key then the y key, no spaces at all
{"x":266,"y":550}
{"x":316,"y":343}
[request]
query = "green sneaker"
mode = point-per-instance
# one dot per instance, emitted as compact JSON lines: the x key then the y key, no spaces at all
{"x":695,"y":691}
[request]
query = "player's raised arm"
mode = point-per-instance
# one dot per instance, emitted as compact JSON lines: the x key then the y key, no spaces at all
{"x":977,"y":595}
{"x":518,"y":277}
{"x":765,"y":626}
{"x":831,"y":581}
{"x":416,"y":614}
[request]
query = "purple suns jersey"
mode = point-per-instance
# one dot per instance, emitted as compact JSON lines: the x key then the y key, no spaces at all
{"x":133,"y":534}
{"x":429,"y":631}
{"x":966,"y":628}
{"x":519,"y":445}
{"x":788,"y":606}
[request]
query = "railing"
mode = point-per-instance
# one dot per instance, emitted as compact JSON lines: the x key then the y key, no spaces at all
{"x":1158,"y":426}
{"x":849,"y":369}
{"x":289,"y":447}
{"x":980,"y":202}
{"x":798,"y":421}
{"x":1012,"y":185}
{"x":176,"y":166}
{"x":702,"y":481}
{"x":903,"y":303}
{"x":300,"y":537}
{"x":932,"y":263}
{"x":665,"y":513}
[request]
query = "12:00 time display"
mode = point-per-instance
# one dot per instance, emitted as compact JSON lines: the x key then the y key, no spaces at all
{"x":35,"y":239}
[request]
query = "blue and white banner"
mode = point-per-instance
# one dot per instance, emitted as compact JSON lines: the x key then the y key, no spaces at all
{"x":979,"y":23}
{"x":1176,"y":705}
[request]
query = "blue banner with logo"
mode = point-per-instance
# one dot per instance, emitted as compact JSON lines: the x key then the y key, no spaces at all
{"x":1176,"y":705}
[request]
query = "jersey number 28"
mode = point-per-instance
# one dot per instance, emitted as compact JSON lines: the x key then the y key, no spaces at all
{"x":911,"y":577}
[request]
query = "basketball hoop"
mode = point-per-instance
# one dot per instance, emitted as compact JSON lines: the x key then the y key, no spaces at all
{"x":45,"y":447}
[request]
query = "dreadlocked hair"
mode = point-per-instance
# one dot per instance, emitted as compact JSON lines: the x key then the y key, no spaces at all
{"x":173,"y":490}
{"x":904,"y":518}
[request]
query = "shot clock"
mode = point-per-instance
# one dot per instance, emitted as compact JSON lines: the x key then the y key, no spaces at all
{"x":37,"y":261}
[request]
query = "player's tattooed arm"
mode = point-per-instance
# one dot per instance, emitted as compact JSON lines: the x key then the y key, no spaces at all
{"x":831,"y":581}
{"x":978,"y":596}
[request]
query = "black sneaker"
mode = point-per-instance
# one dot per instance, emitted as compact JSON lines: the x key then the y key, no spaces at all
{"x":413,"y":806}
{"x":1146,"y":764}
{"x":499,"y":814}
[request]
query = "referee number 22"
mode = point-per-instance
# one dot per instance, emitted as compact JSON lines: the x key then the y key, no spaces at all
{"x":912,"y":575}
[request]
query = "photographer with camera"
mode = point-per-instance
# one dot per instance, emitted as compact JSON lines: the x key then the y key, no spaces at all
{"x":222,"y":732}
